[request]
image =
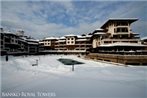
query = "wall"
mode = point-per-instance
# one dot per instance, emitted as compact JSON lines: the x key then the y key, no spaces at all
{"x":124,"y":59}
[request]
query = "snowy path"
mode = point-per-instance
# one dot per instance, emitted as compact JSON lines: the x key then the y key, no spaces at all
{"x":89,"y":80}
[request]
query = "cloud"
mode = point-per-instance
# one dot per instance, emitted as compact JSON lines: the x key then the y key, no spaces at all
{"x":133,"y":10}
{"x":57,"y":18}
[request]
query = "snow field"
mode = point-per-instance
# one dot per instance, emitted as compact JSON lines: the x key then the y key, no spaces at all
{"x":89,"y":80}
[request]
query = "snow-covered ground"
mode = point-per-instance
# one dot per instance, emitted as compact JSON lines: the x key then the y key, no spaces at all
{"x":52,"y":79}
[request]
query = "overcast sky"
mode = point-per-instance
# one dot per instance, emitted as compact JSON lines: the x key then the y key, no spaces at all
{"x":41,"y":19}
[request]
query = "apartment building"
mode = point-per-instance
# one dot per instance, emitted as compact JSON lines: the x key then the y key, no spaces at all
{"x":47,"y":44}
{"x":68,"y":43}
{"x":79,"y":43}
{"x":60,"y":44}
{"x":116,"y":35}
{"x":113,"y":36}
{"x":17,"y":43}
{"x":9,"y":41}
{"x":32,"y":45}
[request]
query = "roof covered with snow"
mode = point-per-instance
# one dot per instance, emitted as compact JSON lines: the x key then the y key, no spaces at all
{"x":98,"y":30}
{"x":34,"y":40}
{"x":99,"y":33}
{"x":9,"y":33}
{"x":62,"y":38}
{"x":70,"y":35}
{"x":51,"y":38}
{"x":85,"y":36}
{"x":144,"y":38}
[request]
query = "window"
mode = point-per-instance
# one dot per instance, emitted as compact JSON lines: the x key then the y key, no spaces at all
{"x":133,"y":41}
{"x":107,"y":42}
{"x":72,"y":38}
{"x":118,"y":30}
{"x":122,"y":30}
{"x":124,"y":23}
{"x":121,"y":24}
{"x":115,"y":30}
{"x":1,"y":42}
{"x":12,"y":40}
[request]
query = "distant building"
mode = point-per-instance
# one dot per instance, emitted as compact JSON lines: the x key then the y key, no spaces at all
{"x":9,"y":41}
{"x":67,"y":44}
{"x":60,"y":44}
{"x":47,"y":43}
{"x":32,"y":45}
{"x":12,"y":43}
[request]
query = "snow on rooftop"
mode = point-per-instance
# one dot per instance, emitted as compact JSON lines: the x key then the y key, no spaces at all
{"x":88,"y":35}
{"x":51,"y":38}
{"x":62,"y":37}
{"x":144,"y":38}
{"x":70,"y":35}
{"x":79,"y":36}
{"x":60,"y":40}
{"x":31,"y":39}
{"x":8,"y":32}
{"x":99,"y":29}
{"x":99,"y":33}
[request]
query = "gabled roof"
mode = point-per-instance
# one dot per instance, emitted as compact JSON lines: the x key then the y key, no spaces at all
{"x":130,"y":20}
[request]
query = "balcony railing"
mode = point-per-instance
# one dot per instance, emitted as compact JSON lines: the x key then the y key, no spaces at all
{"x":64,"y":51}
{"x":120,"y":39}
